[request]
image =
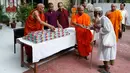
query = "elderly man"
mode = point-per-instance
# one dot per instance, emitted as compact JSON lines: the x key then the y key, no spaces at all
{"x":63,"y":16}
{"x":83,"y":36}
{"x":116,"y":18}
{"x":107,"y":46}
{"x":35,"y":22}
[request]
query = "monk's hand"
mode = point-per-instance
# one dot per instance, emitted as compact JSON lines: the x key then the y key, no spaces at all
{"x":74,"y":23}
{"x":52,"y":27}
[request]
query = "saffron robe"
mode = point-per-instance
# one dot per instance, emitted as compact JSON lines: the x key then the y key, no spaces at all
{"x":32,"y":25}
{"x":83,"y":36}
{"x":73,"y":10}
{"x":116,"y":18}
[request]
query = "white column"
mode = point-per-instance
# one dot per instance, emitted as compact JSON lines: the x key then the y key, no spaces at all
{"x":97,"y":1}
{"x":90,"y":1}
{"x":76,"y":3}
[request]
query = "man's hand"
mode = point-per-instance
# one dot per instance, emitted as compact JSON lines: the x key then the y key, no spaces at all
{"x":60,"y":26}
{"x":108,"y":46}
{"x":92,"y":42}
{"x":52,"y":27}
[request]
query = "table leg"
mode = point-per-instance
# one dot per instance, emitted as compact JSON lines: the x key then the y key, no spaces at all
{"x":22,"y":56}
{"x":35,"y":68}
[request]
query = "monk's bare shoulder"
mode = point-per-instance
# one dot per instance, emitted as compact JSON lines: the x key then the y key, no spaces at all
{"x":35,"y":14}
{"x":108,"y":12}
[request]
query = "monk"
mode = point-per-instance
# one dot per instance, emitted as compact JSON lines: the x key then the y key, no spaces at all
{"x":63,"y":16}
{"x":116,"y":18}
{"x":83,"y":36}
{"x":35,"y":22}
{"x":73,"y":10}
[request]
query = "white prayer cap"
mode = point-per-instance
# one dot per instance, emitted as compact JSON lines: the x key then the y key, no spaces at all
{"x":90,"y":7}
{"x":97,"y":9}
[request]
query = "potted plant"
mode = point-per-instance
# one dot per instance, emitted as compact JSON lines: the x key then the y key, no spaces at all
{"x":13,"y":24}
{"x":5,"y":19}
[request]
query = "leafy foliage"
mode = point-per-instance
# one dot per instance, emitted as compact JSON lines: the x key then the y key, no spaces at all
{"x":3,"y":17}
{"x":23,"y":11}
{"x":1,"y":12}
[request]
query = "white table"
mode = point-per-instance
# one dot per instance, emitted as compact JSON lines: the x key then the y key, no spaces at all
{"x":48,"y":48}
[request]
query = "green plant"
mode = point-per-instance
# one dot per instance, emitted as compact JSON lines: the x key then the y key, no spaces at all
{"x":5,"y":18}
{"x":1,"y":12}
{"x":67,"y":5}
{"x":23,"y":12}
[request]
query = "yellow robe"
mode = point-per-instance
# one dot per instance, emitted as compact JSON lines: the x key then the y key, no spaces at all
{"x":116,"y":18}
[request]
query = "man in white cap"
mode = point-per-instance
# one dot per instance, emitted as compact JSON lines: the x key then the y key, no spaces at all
{"x":107,"y":38}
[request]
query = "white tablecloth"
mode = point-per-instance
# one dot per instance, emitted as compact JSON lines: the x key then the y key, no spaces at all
{"x":48,"y":48}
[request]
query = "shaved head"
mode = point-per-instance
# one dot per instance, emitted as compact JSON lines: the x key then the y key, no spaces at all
{"x":40,"y":7}
{"x":80,"y":10}
{"x":113,"y":7}
{"x":81,"y":7}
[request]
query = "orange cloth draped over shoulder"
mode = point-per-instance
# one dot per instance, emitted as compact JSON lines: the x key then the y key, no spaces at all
{"x":116,"y":18}
{"x":32,"y":25}
{"x":83,"y":36}
{"x":73,"y":10}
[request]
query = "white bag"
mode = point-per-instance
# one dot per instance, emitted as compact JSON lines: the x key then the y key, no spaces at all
{"x":107,"y":40}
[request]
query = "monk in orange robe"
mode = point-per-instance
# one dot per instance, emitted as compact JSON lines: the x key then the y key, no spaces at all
{"x":73,"y":10}
{"x":116,"y":18}
{"x":83,"y":36}
{"x":35,"y":22}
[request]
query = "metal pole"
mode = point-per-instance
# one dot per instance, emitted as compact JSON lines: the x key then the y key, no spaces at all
{"x":92,"y":51}
{"x":43,"y":1}
{"x":0,"y":2}
{"x":5,"y":5}
{"x":32,"y":3}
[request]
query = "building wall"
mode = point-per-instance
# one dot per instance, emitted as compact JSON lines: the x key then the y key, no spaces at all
{"x":6,"y":4}
{"x":107,"y":6}
{"x":55,"y":2}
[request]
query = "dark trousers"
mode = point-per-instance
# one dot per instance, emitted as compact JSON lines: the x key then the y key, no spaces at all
{"x":123,"y":27}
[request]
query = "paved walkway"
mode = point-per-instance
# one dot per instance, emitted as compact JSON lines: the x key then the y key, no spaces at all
{"x":70,"y":63}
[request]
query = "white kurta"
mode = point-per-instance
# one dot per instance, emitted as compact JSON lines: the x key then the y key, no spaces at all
{"x":107,"y":37}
